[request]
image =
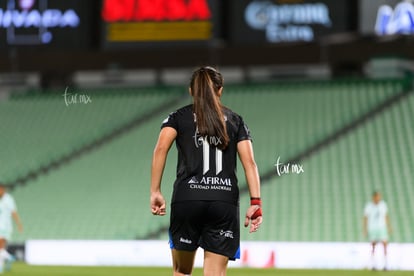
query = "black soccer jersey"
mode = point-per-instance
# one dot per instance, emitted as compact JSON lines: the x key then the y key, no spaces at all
{"x":204,"y":172}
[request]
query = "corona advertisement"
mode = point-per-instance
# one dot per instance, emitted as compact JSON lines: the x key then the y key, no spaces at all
{"x":269,"y":22}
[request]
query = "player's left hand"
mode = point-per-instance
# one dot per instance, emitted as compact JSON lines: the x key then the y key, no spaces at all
{"x":253,"y":218}
{"x":157,"y":202}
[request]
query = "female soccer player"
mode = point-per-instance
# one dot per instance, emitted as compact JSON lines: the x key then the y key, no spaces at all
{"x":205,"y":200}
{"x":377,"y":225}
{"x":8,"y":211}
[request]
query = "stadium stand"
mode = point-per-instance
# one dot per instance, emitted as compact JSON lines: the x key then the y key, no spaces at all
{"x":326,"y":202}
{"x":40,"y":129}
{"x":70,"y":128}
{"x":286,"y":119}
{"x":104,"y":194}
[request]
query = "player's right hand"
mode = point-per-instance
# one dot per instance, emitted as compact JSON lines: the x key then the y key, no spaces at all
{"x":157,"y":203}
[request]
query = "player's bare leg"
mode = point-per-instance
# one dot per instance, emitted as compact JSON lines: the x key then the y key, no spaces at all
{"x":373,"y":244}
{"x":183,"y":262}
{"x":215,"y":264}
{"x":385,"y":245}
{"x":3,"y":244}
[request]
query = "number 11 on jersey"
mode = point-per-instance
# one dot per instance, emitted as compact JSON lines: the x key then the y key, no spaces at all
{"x":206,"y":158}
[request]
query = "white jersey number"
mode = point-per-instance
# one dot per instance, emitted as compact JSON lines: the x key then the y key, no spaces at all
{"x":206,"y":158}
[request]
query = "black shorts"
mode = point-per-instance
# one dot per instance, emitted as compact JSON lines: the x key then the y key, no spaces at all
{"x":212,"y":225}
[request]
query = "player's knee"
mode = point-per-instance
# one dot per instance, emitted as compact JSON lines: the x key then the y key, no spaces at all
{"x":182,"y":271}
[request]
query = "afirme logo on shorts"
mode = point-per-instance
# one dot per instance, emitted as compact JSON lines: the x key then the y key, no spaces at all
{"x":187,"y":241}
{"x":227,"y":234}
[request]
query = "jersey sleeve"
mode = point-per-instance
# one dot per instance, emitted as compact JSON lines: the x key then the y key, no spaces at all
{"x":171,"y":121}
{"x":243,"y":132}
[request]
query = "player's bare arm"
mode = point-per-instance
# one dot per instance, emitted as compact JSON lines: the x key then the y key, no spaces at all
{"x":165,"y":140}
{"x":365,"y":226}
{"x":18,"y":221}
{"x":389,"y":227}
{"x":253,"y":214}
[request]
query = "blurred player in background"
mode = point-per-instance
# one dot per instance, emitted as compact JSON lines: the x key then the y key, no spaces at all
{"x":205,"y":200}
{"x":377,"y":226}
{"x":8,"y":210}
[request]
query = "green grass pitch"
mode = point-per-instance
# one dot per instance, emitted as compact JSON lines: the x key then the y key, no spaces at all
{"x":27,"y":270}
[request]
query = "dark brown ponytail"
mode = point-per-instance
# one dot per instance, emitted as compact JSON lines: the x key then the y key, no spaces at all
{"x":205,"y":85}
